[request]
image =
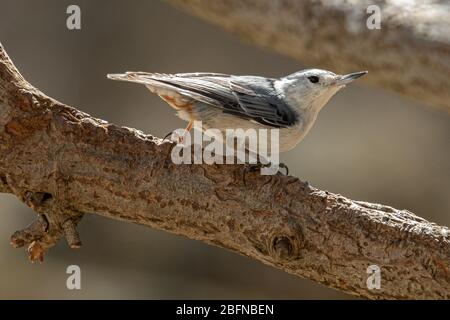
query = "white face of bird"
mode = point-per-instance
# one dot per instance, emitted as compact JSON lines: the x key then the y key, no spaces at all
{"x":314,"y":87}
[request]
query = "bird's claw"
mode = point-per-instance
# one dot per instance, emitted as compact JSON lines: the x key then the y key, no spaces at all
{"x":258,"y":166}
{"x":285,"y":167}
{"x":167,"y":135}
{"x":179,"y":138}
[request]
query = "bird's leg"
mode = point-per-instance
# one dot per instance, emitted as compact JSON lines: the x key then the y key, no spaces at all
{"x":186,"y":131}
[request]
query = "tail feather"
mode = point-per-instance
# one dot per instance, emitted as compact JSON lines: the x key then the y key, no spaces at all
{"x":150,"y":80}
{"x":139,"y":77}
{"x":160,"y":84}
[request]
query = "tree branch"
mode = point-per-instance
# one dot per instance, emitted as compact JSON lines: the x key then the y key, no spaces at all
{"x":64,"y":163}
{"x":408,"y":55}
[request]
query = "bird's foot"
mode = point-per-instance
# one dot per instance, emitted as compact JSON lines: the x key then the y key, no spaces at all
{"x":260,"y":166}
{"x":285,"y":167}
{"x":175,"y":137}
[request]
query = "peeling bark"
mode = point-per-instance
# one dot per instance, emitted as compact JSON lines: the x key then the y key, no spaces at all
{"x":64,"y":163}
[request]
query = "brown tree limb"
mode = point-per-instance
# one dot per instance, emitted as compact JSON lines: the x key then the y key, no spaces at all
{"x":410,"y":54}
{"x":63,"y":163}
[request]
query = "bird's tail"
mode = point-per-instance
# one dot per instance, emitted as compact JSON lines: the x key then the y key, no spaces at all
{"x":132,"y":76}
{"x":153,"y":81}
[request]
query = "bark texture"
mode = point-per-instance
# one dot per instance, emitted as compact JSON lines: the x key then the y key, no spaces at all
{"x":63,"y":163}
{"x":410,"y":54}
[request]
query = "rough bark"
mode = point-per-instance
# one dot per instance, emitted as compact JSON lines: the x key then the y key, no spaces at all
{"x":410,"y":54}
{"x":63,"y":163}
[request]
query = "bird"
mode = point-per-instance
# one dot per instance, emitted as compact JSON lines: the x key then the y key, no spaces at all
{"x":290,"y":104}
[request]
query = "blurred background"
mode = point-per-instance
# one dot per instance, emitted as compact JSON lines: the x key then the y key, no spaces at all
{"x":367,"y":145}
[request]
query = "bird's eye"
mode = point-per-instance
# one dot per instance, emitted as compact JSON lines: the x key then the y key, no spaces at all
{"x":313,"y":79}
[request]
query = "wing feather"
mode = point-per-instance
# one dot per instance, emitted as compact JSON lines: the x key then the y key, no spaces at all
{"x":252,"y":98}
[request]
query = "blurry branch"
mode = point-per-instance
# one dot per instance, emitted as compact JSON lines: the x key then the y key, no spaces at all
{"x":63,"y":163}
{"x":409,"y":54}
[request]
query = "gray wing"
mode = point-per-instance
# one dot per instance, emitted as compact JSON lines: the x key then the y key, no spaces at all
{"x":252,"y":98}
{"x":248,"y":97}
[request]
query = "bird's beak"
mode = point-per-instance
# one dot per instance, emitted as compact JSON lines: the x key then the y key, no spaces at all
{"x":346,"y":79}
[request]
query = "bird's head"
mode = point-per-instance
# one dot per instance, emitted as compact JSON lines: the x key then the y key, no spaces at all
{"x":314,"y":87}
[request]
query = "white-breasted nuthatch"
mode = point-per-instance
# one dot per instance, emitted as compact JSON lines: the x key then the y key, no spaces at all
{"x":222,"y":101}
